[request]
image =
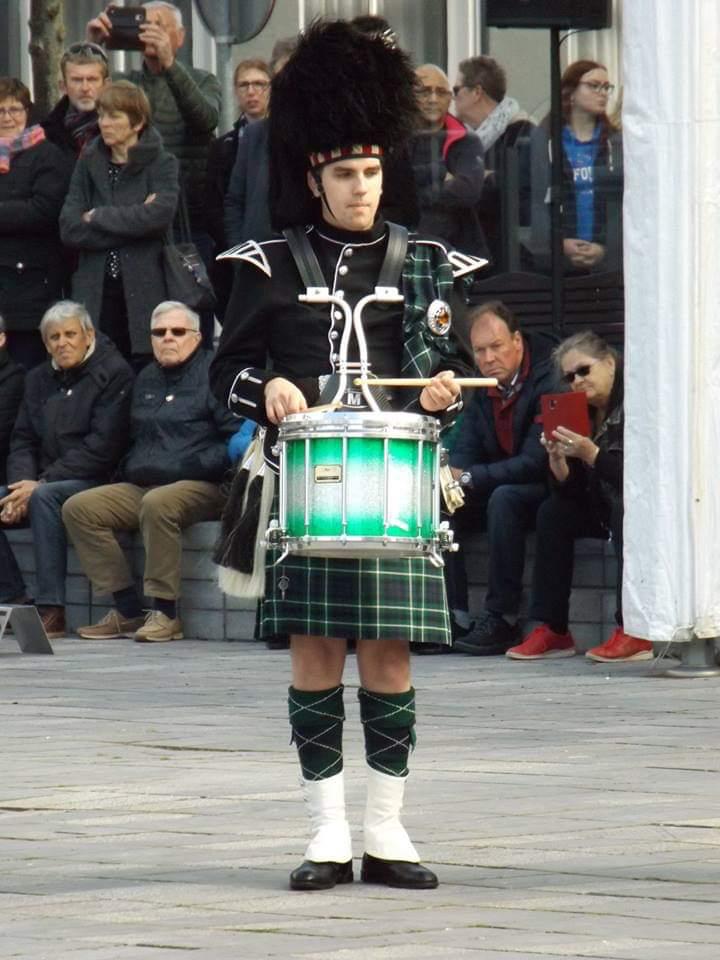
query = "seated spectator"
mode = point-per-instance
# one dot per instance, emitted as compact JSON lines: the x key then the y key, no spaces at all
{"x":251,"y":83}
{"x":121,"y":202}
{"x":34,"y":177}
{"x":69,"y":435}
{"x":12,"y":377}
{"x":499,"y":463}
{"x":448,"y":168}
{"x":589,"y":149}
{"x":73,"y":122}
{"x":482,"y":103}
{"x":170,"y":480}
{"x":586,"y":501}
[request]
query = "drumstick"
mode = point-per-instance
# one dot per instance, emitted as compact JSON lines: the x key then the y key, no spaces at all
{"x":325,"y":407}
{"x":424,"y":382}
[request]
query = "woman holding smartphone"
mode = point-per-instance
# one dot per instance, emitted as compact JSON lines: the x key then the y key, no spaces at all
{"x":586,"y":501}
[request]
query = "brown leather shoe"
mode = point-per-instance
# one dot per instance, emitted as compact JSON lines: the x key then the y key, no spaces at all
{"x":112,"y":626}
{"x":53,"y":621}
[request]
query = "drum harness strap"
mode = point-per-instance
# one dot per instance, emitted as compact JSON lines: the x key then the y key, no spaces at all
{"x":312,"y":276}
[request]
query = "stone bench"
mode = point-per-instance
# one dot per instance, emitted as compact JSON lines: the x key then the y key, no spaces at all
{"x":210,"y":615}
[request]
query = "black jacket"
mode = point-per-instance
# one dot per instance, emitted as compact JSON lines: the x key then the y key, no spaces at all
{"x":476,"y":448}
{"x":122,"y":221}
{"x":31,"y":196}
{"x":178,"y":430}
{"x":73,"y":424}
{"x":600,"y":487}
{"x":12,"y":377}
{"x":57,"y":132}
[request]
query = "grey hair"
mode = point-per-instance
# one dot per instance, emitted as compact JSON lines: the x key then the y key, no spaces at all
{"x":159,"y":4}
{"x":433,"y":66}
{"x":65,"y":310}
{"x":587,"y":342}
{"x":167,"y":305}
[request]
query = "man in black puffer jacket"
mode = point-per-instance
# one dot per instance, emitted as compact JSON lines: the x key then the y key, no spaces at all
{"x":499,"y":463}
{"x":69,"y":435}
{"x":177,"y":457}
{"x":12,"y":378}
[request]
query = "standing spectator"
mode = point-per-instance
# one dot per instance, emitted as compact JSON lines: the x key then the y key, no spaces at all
{"x":251,"y":83}
{"x":178,"y":453}
{"x":588,"y":155}
{"x":499,"y":463}
{"x":73,"y":122}
{"x":12,"y":377}
{"x":586,"y":501}
{"x":121,"y":201}
{"x":448,"y":167}
{"x":185,"y":104}
{"x":34,"y":178}
{"x":482,"y":103}
{"x":69,"y":435}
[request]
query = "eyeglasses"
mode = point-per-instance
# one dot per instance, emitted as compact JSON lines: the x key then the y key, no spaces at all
{"x":160,"y":332}
{"x":12,"y":111}
{"x":598,"y":87}
{"x":246,"y":85}
{"x":581,"y":371}
{"x":461,"y":86}
{"x":440,"y":92}
{"x":86,"y":49}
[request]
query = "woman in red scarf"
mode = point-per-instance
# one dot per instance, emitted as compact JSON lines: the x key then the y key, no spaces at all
{"x":34,"y":177}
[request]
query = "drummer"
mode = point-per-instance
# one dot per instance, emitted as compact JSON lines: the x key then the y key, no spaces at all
{"x":332,"y":122}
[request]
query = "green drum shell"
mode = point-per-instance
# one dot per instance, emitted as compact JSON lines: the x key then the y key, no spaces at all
{"x":359,"y":484}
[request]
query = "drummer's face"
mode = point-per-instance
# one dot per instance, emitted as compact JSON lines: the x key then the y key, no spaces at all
{"x":352,"y":190}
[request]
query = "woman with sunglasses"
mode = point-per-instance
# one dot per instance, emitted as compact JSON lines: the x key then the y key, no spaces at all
{"x":586,"y":501}
{"x":590,"y":145}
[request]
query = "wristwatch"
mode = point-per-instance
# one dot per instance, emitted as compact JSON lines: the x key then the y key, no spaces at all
{"x":465,"y":479}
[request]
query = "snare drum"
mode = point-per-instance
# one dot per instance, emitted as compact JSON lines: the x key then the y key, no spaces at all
{"x":359,"y":484}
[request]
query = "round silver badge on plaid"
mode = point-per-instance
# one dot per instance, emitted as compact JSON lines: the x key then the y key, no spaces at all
{"x":439,"y":317}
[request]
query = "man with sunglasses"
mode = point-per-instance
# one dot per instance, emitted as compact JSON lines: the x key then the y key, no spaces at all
{"x":499,"y":463}
{"x":170,"y":479}
{"x":73,"y":122}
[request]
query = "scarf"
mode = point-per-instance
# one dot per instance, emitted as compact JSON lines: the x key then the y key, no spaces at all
{"x":82,"y":125}
{"x":30,"y":137}
{"x":496,"y":122}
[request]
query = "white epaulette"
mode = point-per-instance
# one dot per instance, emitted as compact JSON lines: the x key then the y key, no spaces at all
{"x":463,"y":263}
{"x":250,"y":252}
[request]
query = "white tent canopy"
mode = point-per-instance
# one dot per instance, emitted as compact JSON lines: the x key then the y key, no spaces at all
{"x":671,"y":136}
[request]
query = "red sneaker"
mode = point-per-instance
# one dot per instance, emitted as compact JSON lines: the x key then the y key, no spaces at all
{"x":621,"y":646}
{"x":542,"y":644}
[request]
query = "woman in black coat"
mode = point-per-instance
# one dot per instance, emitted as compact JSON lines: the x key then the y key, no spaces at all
{"x":586,"y":501}
{"x":121,"y":203}
{"x":34,"y":177}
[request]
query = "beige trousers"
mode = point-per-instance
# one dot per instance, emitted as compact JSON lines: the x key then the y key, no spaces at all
{"x":160,"y":513}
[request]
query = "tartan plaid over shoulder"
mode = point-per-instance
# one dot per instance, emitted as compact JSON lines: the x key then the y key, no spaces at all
{"x":427,"y":276}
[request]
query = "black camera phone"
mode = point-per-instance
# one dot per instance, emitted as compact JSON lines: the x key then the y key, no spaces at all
{"x":125,"y":28}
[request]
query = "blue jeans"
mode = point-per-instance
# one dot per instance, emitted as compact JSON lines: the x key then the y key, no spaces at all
{"x":49,"y":544}
{"x":506,"y":515}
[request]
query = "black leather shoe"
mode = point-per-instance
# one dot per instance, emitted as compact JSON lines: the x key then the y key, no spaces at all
{"x":397,"y":873}
{"x":491,"y":636}
{"x":313,"y":875}
{"x":428,"y":649}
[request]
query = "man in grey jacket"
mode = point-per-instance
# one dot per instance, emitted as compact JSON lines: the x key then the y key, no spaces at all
{"x":171,"y":473}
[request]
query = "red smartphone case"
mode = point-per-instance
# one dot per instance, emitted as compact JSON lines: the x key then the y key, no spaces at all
{"x":569,"y":410}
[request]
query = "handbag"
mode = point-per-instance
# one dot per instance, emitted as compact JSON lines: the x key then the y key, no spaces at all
{"x":186,"y":276}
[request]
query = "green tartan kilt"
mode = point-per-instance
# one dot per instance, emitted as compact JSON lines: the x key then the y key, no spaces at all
{"x":393,"y":599}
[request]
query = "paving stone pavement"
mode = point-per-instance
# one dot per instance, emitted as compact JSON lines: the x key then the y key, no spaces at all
{"x":150,"y":810}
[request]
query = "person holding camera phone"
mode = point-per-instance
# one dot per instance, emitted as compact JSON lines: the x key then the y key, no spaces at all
{"x":586,"y":501}
{"x":185,"y":101}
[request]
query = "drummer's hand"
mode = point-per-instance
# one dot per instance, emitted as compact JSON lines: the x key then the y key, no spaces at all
{"x":282,"y":398}
{"x":441,"y":393}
